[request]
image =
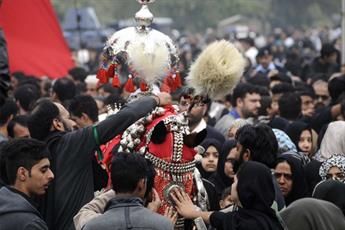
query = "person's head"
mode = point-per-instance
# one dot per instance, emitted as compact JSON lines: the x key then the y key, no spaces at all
{"x":25,"y":96}
{"x":301,"y":135}
{"x":307,"y":102}
{"x":260,"y":80}
{"x":333,"y":140}
{"x":290,"y":106}
{"x":107,"y":90}
{"x":264,"y":57}
{"x":7,"y":111}
{"x":84,"y":111}
{"x":129,"y":174}
{"x":333,"y":168}
{"x":91,"y":85}
{"x":210,"y":156}
{"x":18,"y":127}
{"x":225,"y":167}
{"x":322,"y":97}
{"x":257,"y":143}
{"x":266,"y":109}
{"x":253,"y":187}
{"x":197,"y":111}
{"x":336,"y":87}
{"x":279,"y":78}
{"x":235,"y":125}
{"x":312,"y":214}
{"x":63,"y":89}
{"x":184,"y":100}
{"x":225,"y":199}
{"x":246,"y":98}
{"x":277,"y":92}
{"x":329,"y":53}
{"x":331,"y":191}
{"x":78,"y":74}
{"x":25,"y":165}
{"x":48,"y":116}
{"x":290,"y":177}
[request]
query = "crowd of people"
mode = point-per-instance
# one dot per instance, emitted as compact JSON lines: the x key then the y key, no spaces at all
{"x":273,"y":156}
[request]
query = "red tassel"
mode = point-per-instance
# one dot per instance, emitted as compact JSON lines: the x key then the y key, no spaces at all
{"x":116,"y":81}
{"x":102,"y":76}
{"x":143,"y":86}
{"x":129,"y":86}
{"x":178,"y":81}
{"x":111,"y":70}
{"x":165,"y":85}
{"x":172,"y":83}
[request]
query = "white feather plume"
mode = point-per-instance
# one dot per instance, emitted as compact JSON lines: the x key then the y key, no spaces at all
{"x":151,"y":61}
{"x":217,"y":69}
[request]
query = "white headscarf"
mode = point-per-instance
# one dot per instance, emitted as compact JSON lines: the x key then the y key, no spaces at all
{"x":334,"y":140}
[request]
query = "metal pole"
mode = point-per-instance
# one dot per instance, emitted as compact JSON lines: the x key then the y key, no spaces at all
{"x":343,"y":32}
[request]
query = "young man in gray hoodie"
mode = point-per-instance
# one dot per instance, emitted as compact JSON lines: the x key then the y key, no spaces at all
{"x":25,"y":170}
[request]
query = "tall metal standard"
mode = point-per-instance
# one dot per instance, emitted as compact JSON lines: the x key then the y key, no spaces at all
{"x":343,"y":32}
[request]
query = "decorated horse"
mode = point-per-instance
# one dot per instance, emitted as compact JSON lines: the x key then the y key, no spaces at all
{"x":142,"y":61}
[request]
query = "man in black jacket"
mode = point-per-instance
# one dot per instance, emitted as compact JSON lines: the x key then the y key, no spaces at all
{"x":72,"y":153}
{"x":25,"y":168}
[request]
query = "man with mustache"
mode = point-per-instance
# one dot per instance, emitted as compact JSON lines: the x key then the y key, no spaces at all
{"x":72,"y":153}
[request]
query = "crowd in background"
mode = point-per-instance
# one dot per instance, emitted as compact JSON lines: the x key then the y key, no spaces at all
{"x":287,"y":113}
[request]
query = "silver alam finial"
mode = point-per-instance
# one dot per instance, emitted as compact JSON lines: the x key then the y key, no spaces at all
{"x":144,"y":17}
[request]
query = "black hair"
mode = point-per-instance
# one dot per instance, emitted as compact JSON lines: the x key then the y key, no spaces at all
{"x":114,"y":99}
{"x":65,"y":89}
{"x":8,"y":109}
{"x":26,"y":95}
{"x":84,"y":104}
{"x":241,"y":90}
{"x":151,"y":174}
{"x":109,"y":89}
{"x":282,"y":88}
{"x":318,"y":77}
{"x":336,"y":87}
{"x":41,"y":119}
{"x":259,"y":79}
{"x":226,"y":192}
{"x":18,"y":75}
{"x":126,"y":171}
{"x":22,"y":120}
{"x":261,"y":142}
{"x":20,"y":152}
{"x":265,"y":102}
{"x":290,"y":106}
{"x":327,"y":50}
{"x":78,"y":73}
{"x":282,"y":77}
{"x":304,"y":89}
{"x":248,"y":40}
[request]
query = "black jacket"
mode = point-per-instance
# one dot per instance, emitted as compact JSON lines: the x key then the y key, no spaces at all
{"x":72,"y":154}
{"x":17,"y":213}
{"x":4,"y":69}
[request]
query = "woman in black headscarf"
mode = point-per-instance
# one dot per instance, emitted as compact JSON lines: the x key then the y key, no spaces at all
{"x":223,"y":177}
{"x":290,"y":177}
{"x":253,"y":192}
{"x":302,"y":136}
{"x":313,"y":214}
{"x":332,"y":191}
{"x":208,"y":164}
